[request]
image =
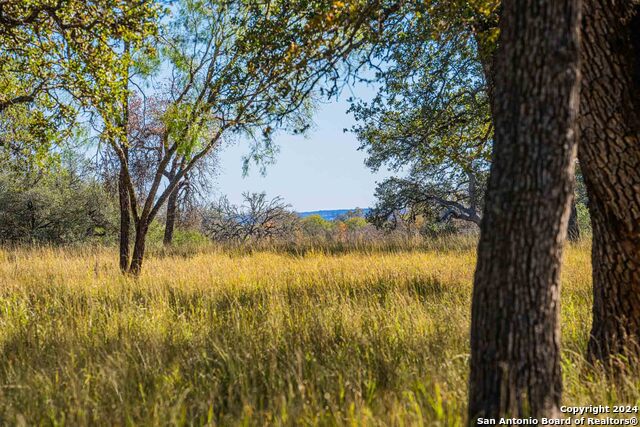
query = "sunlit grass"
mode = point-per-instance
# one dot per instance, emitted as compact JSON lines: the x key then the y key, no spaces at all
{"x":367,"y":337}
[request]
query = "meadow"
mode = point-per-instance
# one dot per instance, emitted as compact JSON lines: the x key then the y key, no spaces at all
{"x":214,"y":336}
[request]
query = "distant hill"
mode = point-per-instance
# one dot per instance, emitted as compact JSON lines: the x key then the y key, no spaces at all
{"x":330,"y":215}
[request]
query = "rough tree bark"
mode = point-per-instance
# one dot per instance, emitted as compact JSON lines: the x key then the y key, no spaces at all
{"x":515,"y":336}
{"x":610,"y":163}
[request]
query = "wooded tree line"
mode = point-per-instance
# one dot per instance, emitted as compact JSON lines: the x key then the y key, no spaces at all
{"x":472,"y":95}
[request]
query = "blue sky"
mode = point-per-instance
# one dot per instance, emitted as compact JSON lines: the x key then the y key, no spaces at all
{"x":323,"y":170}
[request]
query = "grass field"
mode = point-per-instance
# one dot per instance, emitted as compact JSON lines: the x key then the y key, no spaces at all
{"x":263,"y":338}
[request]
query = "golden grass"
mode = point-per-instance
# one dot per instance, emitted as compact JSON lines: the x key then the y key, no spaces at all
{"x":268,"y":338}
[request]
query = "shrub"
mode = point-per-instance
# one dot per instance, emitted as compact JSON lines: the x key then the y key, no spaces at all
{"x":257,"y":218}
{"x":53,"y":207}
{"x":316,"y":226}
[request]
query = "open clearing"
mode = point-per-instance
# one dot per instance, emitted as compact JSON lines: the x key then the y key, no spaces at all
{"x":224,"y":338}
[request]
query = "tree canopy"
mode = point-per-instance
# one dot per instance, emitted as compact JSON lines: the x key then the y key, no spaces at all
{"x":430,"y":121}
{"x":45,"y":45}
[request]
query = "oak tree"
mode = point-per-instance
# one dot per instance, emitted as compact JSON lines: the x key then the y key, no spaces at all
{"x":610,"y":162}
{"x":515,"y":334}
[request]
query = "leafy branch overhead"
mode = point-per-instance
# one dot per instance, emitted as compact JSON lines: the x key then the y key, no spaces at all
{"x":430,"y":119}
{"x":45,"y":45}
{"x":211,"y":72}
{"x":232,"y":69}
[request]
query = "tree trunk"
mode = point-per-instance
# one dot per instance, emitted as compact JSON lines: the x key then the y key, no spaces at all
{"x":515,"y":334}
{"x":573,"y":233}
{"x":125,"y":218}
{"x":123,"y":190}
{"x":610,"y":163}
{"x":172,"y":209}
{"x":142,"y":226}
{"x":615,"y":329}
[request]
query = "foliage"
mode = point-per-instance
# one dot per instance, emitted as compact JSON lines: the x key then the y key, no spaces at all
{"x":432,"y":109}
{"x":47,"y":46}
{"x":316,"y":226}
{"x":56,"y":205}
{"x":430,"y":119}
{"x":355,"y":223}
{"x":145,"y":141}
{"x":434,"y":198}
{"x":259,"y":219}
{"x":28,"y":131}
{"x":582,"y":203}
{"x":184,"y":237}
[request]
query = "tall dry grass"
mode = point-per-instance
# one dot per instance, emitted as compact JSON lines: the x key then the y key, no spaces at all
{"x":270,"y":337}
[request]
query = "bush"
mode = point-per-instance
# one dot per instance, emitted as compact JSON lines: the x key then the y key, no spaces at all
{"x":257,"y":218}
{"x":584,"y":219}
{"x":316,"y":226}
{"x":356,"y":223}
{"x":53,"y":207}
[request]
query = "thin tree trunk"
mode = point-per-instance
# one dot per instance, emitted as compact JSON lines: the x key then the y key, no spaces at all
{"x":172,"y":210}
{"x":142,"y":226}
{"x":123,"y":190}
{"x":172,"y":204}
{"x":573,"y":233}
{"x":610,"y":163}
{"x":515,"y":334}
{"x":125,"y":218}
